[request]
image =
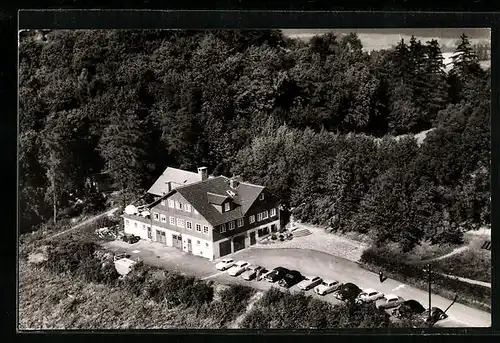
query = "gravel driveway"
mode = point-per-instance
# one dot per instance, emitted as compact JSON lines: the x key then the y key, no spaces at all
{"x":323,"y":241}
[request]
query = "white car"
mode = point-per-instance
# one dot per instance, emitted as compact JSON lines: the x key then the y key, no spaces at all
{"x":369,"y":295}
{"x":225,"y":264}
{"x":251,"y":272}
{"x":238,"y":268}
{"x":309,"y":282}
{"x":327,"y":286}
{"x":389,"y":301}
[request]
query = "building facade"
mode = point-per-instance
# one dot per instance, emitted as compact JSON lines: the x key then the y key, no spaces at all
{"x":211,"y":217}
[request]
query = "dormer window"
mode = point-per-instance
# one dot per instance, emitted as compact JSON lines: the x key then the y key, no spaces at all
{"x":261,"y":196}
{"x":227,"y":206}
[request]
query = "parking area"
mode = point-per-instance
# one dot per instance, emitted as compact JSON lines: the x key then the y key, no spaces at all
{"x":161,"y":256}
{"x":308,"y":262}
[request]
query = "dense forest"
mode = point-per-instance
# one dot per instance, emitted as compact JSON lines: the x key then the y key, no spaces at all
{"x":325,"y":125}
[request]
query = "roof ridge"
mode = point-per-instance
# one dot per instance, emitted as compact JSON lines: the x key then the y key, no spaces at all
{"x":251,"y":184}
{"x":218,"y":195}
{"x":182,"y":170}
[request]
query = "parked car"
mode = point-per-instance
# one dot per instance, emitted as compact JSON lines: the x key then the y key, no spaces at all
{"x":291,"y":278}
{"x":238,"y":268}
{"x":408,"y":309}
{"x":276,"y":274}
{"x":309,"y":282}
{"x":225,"y":264}
{"x":263,"y":273}
{"x":369,"y":295}
{"x":327,"y":286}
{"x":347,"y":292}
{"x":436,"y":315}
{"x":389,"y":301}
{"x":251,"y":272}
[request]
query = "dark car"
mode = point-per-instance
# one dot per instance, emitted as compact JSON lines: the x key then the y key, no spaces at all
{"x":347,"y":292}
{"x":408,"y":309}
{"x":276,"y":274}
{"x":291,"y":278}
{"x":436,"y":315}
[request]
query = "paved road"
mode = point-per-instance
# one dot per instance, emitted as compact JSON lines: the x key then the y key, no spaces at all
{"x":306,"y":261}
{"x":328,"y":266}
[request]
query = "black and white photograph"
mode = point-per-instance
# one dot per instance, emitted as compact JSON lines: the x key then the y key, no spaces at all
{"x":254,"y":178}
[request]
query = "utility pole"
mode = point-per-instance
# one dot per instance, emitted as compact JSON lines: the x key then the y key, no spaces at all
{"x":429,"y":280}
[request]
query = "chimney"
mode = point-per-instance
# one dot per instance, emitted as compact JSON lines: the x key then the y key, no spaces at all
{"x":169,"y":185}
{"x":202,"y":173}
{"x":233,"y":183}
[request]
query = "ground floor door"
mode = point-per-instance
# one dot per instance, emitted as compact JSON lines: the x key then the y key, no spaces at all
{"x":177,"y":241}
{"x":252,"y":238}
{"x":225,"y":248}
{"x":161,"y":237}
{"x":150,"y":233}
{"x":239,"y":242}
{"x":190,"y":247}
{"x":274,"y":228}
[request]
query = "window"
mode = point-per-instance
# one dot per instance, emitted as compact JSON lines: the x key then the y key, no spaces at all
{"x":227,"y":206}
{"x":189,"y":225}
{"x":206,"y":244}
{"x":251,"y":219}
{"x":180,"y":222}
{"x":163,"y":202}
{"x":172,"y":220}
{"x":198,"y":227}
{"x":156,"y":216}
{"x":171,"y":203}
{"x":273,"y":212}
{"x":187,"y":208}
{"x":163,"y":218}
{"x":240,"y":222}
{"x":178,"y":205}
{"x":231,"y":225}
{"x":261,"y":196}
{"x":126,"y":222}
{"x":144,"y":226}
{"x":223,"y":228}
{"x":265,"y":215}
{"x":197,"y":242}
{"x":195,"y":212}
{"x":205,"y":230}
{"x":135,"y":224}
{"x":259,"y":217}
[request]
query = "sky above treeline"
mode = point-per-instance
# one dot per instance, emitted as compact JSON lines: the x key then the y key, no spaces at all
{"x":376,"y":39}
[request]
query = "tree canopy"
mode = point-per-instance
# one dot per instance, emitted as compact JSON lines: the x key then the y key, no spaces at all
{"x":325,"y":125}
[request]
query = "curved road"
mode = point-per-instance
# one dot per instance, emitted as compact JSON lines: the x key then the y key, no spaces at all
{"x":311,"y":262}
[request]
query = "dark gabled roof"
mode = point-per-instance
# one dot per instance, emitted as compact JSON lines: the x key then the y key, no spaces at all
{"x":200,"y":194}
{"x":177,"y":177}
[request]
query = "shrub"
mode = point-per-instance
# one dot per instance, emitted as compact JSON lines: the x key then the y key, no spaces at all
{"x":201,"y":293}
{"x":272,"y":296}
{"x":255,"y":319}
{"x":67,"y":256}
{"x":233,"y":301}
{"x":109,"y":274}
{"x":134,"y":281}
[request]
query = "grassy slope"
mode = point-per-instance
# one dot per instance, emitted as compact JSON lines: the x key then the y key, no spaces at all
{"x":51,"y":301}
{"x":472,"y":264}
